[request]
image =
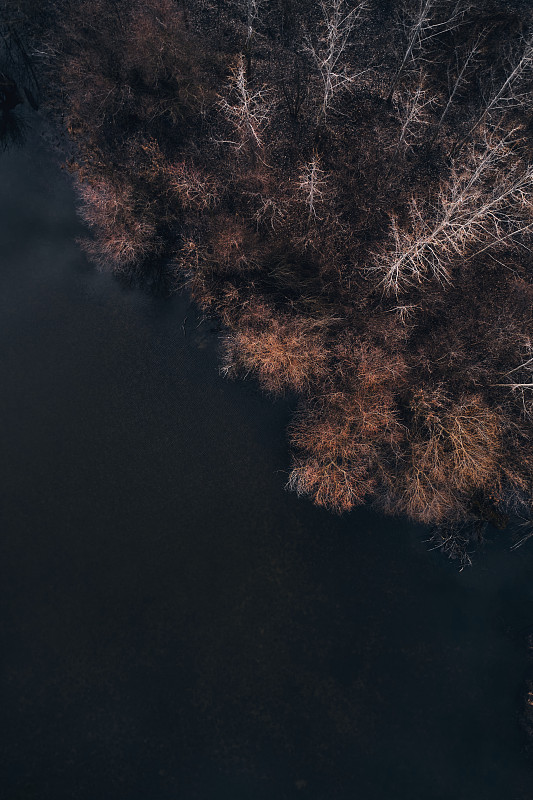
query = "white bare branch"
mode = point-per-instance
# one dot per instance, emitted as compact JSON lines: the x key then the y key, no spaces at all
{"x":312,"y":184}
{"x":413,"y":109}
{"x":463,"y":73}
{"x":508,"y":93}
{"x":404,"y":312}
{"x":248,"y":110}
{"x":528,"y":363}
{"x":195,"y":190}
{"x":523,"y":384}
{"x":424,"y":26}
{"x":269,"y":211}
{"x":330,"y":52}
{"x":253,"y":14}
{"x":489,"y":199}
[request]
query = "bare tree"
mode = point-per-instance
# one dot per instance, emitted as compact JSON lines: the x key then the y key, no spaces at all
{"x":252,"y":9}
{"x":248,"y":110}
{"x":425,"y":26}
{"x":339,"y":437}
{"x":462,"y":73}
{"x":267,"y":230}
{"x":329,"y":54}
{"x":404,"y":312}
{"x":123,"y":237}
{"x":270,"y":211}
{"x":413,"y":107}
{"x":486,"y":200}
{"x":195,"y":190}
{"x":521,"y":383}
{"x":312,"y":184}
{"x":507,"y":93}
{"x":285,"y":352}
{"x":454,"y":451}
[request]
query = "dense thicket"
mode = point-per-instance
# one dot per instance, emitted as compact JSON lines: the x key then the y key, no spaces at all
{"x":348,"y":187}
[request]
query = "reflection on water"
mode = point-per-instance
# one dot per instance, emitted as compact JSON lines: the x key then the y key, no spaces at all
{"x":176,"y":625}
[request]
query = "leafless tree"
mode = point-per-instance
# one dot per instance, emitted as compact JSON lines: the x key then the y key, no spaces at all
{"x":413,"y":107}
{"x":312,"y":184}
{"x":247,"y":109}
{"x":267,"y":231}
{"x":295,"y":92}
{"x":521,"y":383}
{"x":285,"y":352}
{"x":404,"y":312}
{"x":253,"y":11}
{"x":329,"y":54}
{"x":270,"y":211}
{"x":424,"y":26}
{"x":462,"y":73}
{"x":454,"y":450}
{"x":123,"y":238}
{"x":195,"y":190}
{"x":487,"y":200}
{"x":514,"y":90}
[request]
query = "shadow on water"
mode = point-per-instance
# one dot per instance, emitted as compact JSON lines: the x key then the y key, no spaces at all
{"x":175,"y":625}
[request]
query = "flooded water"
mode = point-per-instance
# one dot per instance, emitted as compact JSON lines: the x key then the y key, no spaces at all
{"x":175,"y":624}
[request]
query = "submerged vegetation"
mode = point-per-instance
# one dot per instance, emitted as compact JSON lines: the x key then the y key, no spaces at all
{"x":347,"y":186}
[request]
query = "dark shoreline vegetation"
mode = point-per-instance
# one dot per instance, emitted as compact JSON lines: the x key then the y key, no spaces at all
{"x":347,"y":188}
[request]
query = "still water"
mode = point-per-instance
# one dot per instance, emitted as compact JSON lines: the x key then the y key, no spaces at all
{"x":175,"y":624}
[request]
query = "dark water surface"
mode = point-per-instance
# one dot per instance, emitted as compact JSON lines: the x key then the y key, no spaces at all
{"x":175,"y":625}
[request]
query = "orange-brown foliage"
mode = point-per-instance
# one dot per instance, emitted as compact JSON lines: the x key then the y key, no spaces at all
{"x":124,"y":237}
{"x":285,"y":352}
{"x":346,"y":444}
{"x":454,"y":454}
